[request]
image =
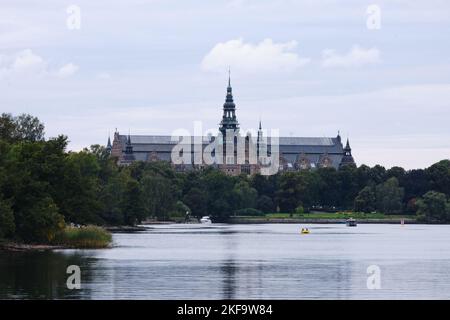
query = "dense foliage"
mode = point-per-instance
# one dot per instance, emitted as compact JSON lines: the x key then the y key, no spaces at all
{"x":43,"y":187}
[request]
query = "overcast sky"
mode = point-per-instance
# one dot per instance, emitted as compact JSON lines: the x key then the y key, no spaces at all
{"x":309,"y":68}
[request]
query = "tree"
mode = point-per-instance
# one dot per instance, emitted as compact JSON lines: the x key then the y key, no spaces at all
{"x":377,"y":174}
{"x":366,"y":200}
{"x":29,"y":128}
{"x":7,"y":128}
{"x":156,"y":195}
{"x":433,"y":207}
{"x":416,"y":183}
{"x":389,"y":197}
{"x":264,"y":185}
{"x":79,"y":195}
{"x":246,"y":195}
{"x":7,"y":224}
{"x":439,"y":175}
{"x":330,"y":187}
{"x":299,"y":189}
{"x":132,"y":206}
{"x":348,"y":185}
{"x":41,"y":222}
{"x":265,"y":204}
{"x":112,"y":197}
{"x":22,"y":128}
{"x":197,"y":200}
{"x":222,"y":201}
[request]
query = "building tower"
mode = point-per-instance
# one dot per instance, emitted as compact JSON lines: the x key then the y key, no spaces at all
{"x":347,"y":159}
{"x":229,"y":121}
{"x":261,"y":147}
{"x":109,"y":146}
{"x":128,"y":157}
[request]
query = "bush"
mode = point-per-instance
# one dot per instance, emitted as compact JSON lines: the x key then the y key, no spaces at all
{"x":249,"y":212}
{"x":299,"y":210}
{"x":84,"y":237}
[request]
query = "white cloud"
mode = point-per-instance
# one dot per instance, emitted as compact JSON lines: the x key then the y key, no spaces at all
{"x":26,"y":60}
{"x":253,"y":58}
{"x":23,"y":62}
{"x":67,"y":70}
{"x":357,"y":56}
{"x":26,"y":63}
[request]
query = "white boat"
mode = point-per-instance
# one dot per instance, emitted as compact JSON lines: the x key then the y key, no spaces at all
{"x":351,"y":222}
{"x":205,"y":220}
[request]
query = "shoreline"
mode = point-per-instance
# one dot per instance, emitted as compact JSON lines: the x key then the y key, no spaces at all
{"x":26,"y":247}
{"x":318,"y":221}
{"x":23,"y":247}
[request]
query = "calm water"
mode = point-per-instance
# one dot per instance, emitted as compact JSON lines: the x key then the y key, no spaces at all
{"x":243,"y":261}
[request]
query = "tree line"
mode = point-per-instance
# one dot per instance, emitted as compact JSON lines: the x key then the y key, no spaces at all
{"x":43,"y":187}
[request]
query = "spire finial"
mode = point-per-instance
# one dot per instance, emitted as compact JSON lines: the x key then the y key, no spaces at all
{"x":229,"y":76}
{"x":348,"y":144}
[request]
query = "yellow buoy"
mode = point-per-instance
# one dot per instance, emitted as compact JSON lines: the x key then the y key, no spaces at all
{"x":304,"y":231}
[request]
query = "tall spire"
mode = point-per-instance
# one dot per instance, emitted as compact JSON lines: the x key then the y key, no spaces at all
{"x":129,"y":156}
{"x":347,"y":146}
{"x":347,"y":158}
{"x":108,"y":145}
{"x":229,"y":121}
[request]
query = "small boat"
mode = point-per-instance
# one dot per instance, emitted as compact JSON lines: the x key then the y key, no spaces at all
{"x":205,"y":220}
{"x":351,"y":222}
{"x":305,"y":231}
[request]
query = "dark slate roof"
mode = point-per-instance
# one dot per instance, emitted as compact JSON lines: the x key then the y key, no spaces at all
{"x":290,"y":147}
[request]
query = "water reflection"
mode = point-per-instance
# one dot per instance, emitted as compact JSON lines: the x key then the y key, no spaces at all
{"x":241,"y":262}
{"x":37,"y":275}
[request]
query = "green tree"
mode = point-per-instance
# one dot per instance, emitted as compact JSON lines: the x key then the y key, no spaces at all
{"x":197,"y":200}
{"x":156,"y":195}
{"x":246,"y":195}
{"x":7,"y":128}
{"x":7,"y":224}
{"x":222,"y":201}
{"x":389,"y":197}
{"x":22,"y":128}
{"x":41,"y":222}
{"x":265,"y":204}
{"x":29,"y":128}
{"x":330,"y":187}
{"x":439,"y":175}
{"x":366,"y":200}
{"x":132,"y":206}
{"x":112,"y":197}
{"x":298,"y":189}
{"x":433,"y":207}
{"x":79,"y":195}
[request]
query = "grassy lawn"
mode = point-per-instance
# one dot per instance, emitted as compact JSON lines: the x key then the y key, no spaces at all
{"x":337,"y":215}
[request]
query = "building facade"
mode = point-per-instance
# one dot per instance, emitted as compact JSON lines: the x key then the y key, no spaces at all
{"x":294,"y":153}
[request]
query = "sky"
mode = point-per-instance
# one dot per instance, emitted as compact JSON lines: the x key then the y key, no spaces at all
{"x":377,"y":71}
